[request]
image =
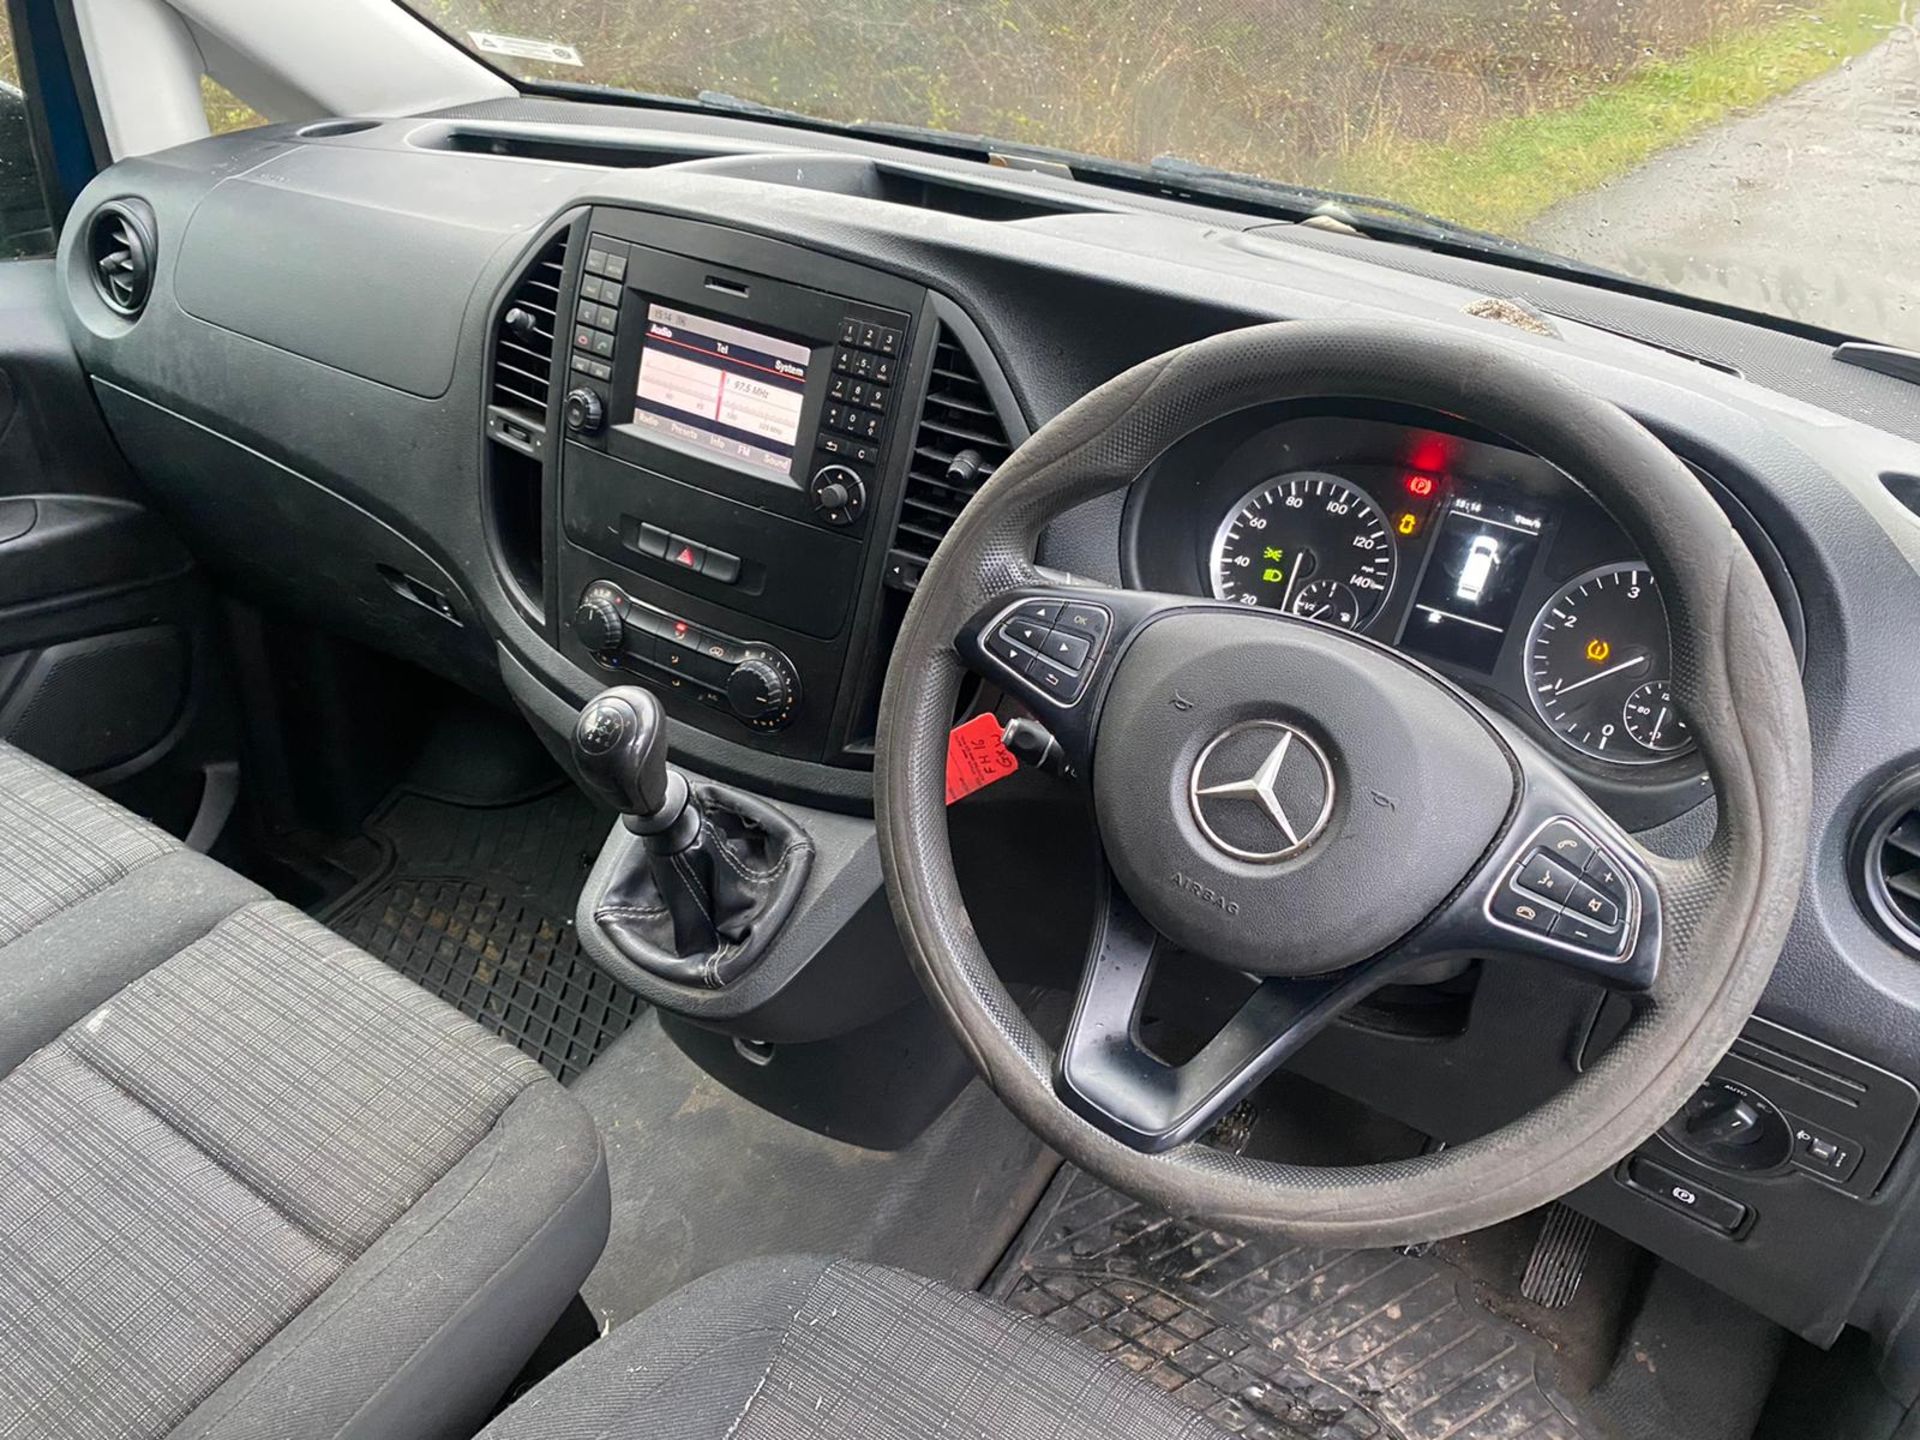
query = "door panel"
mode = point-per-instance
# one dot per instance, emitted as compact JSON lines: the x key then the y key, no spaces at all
{"x":103,"y":618}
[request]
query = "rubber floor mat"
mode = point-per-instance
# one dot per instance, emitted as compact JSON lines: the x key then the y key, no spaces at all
{"x":475,"y":903}
{"x":1275,"y":1341}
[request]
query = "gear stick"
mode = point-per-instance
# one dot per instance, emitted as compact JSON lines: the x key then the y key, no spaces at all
{"x":716,"y":872}
{"x":620,"y":750}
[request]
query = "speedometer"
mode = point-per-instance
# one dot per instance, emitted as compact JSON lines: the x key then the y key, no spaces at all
{"x":1312,"y":544}
{"x":1598,"y":666}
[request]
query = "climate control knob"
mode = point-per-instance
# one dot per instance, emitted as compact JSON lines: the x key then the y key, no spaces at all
{"x":583,"y":411}
{"x":760,"y":690}
{"x":597,"y":622}
{"x":838,"y":494}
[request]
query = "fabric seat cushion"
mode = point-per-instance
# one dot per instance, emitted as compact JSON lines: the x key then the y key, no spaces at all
{"x":806,"y":1348}
{"x":195,"y":1161}
{"x":60,"y":842}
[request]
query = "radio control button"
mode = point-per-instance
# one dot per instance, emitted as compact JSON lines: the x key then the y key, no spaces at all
{"x":583,"y":411}
{"x":652,"y":540}
{"x":838,"y":494}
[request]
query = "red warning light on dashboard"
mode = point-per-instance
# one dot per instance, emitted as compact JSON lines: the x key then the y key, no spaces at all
{"x":1420,"y":486}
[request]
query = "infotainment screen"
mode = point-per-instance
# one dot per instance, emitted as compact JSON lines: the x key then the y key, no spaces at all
{"x":721,"y":391}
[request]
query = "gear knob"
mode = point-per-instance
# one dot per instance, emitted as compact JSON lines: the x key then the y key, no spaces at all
{"x":620,"y":750}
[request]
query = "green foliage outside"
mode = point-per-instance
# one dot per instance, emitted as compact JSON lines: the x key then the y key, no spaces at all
{"x":1518,"y":168}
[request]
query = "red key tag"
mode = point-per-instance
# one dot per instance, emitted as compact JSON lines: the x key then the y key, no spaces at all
{"x":976,"y":757}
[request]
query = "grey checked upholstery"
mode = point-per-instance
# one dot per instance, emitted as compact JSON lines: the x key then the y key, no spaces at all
{"x":60,"y":842}
{"x":804,"y":1348}
{"x":252,"y":1182}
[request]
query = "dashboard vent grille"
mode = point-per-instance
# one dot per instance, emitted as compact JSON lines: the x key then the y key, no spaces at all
{"x":960,"y":442}
{"x":1887,"y":866}
{"x":120,"y":254}
{"x":524,"y":340}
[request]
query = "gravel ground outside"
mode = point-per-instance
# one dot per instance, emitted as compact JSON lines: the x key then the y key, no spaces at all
{"x":1808,"y":207}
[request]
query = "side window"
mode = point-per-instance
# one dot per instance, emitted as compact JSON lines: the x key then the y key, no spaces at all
{"x":226,"y":111}
{"x":25,"y":226}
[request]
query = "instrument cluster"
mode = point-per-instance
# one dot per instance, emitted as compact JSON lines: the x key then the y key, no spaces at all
{"x":1482,"y":561}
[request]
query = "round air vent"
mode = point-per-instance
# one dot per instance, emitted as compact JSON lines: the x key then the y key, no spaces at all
{"x":120,"y":256}
{"x":1886,"y":866}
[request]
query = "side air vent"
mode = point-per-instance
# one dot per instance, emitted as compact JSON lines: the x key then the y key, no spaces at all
{"x":1904,"y":488}
{"x":959,"y":444}
{"x":1886,"y":868}
{"x":120,"y":255}
{"x":523,"y":339}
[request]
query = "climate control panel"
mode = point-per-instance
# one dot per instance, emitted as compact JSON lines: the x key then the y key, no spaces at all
{"x":751,"y":680}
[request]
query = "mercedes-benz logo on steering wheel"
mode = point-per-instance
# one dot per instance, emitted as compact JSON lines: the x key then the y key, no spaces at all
{"x":1261,"y":790}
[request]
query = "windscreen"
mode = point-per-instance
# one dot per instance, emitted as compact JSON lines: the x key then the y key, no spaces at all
{"x":1752,"y":152}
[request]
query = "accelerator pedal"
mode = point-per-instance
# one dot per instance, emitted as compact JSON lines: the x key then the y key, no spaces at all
{"x":1559,"y":1258}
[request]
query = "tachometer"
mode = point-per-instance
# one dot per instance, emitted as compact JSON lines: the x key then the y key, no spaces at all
{"x":1598,"y":665}
{"x":1311,"y":544}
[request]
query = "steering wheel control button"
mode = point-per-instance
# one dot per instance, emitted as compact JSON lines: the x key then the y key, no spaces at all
{"x":1546,"y":877}
{"x":1262,"y":791}
{"x":1065,"y":649}
{"x":1525,"y":911}
{"x":1590,"y":904}
{"x":1028,"y":633}
{"x":1685,"y":1195}
{"x":1061,"y":684}
{"x":1083,"y":620}
{"x":1567,"y":845}
{"x":1051,"y":644}
{"x":1603,"y":875}
{"x":1574,"y":930}
{"x":1575,"y":912}
{"x":1008,"y":653}
{"x":1041,"y":612}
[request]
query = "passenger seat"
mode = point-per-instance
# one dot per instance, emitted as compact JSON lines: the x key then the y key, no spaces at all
{"x":253,"y":1182}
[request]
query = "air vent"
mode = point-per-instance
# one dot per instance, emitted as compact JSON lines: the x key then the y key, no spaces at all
{"x":120,"y":255}
{"x":523,"y":339}
{"x":1887,"y":861}
{"x":959,"y":444}
{"x":1904,"y":488}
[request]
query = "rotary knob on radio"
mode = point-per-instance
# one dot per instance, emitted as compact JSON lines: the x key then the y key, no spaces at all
{"x":838,"y":494}
{"x":583,"y":410}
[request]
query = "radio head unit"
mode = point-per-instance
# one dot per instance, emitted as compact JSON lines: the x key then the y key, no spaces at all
{"x":733,"y":381}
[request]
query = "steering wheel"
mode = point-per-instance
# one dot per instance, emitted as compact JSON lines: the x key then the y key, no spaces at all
{"x":1316,"y":811}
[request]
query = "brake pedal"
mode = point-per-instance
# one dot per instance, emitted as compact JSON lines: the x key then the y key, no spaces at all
{"x":1559,"y":1258}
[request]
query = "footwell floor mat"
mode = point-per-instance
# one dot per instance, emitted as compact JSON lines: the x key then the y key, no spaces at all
{"x":1281,"y":1342}
{"x":475,"y":903}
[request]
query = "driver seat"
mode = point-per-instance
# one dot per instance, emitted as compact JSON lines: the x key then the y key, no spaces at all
{"x":809,"y":1348}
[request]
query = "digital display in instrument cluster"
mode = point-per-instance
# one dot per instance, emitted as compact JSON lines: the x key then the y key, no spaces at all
{"x":1478,"y":560}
